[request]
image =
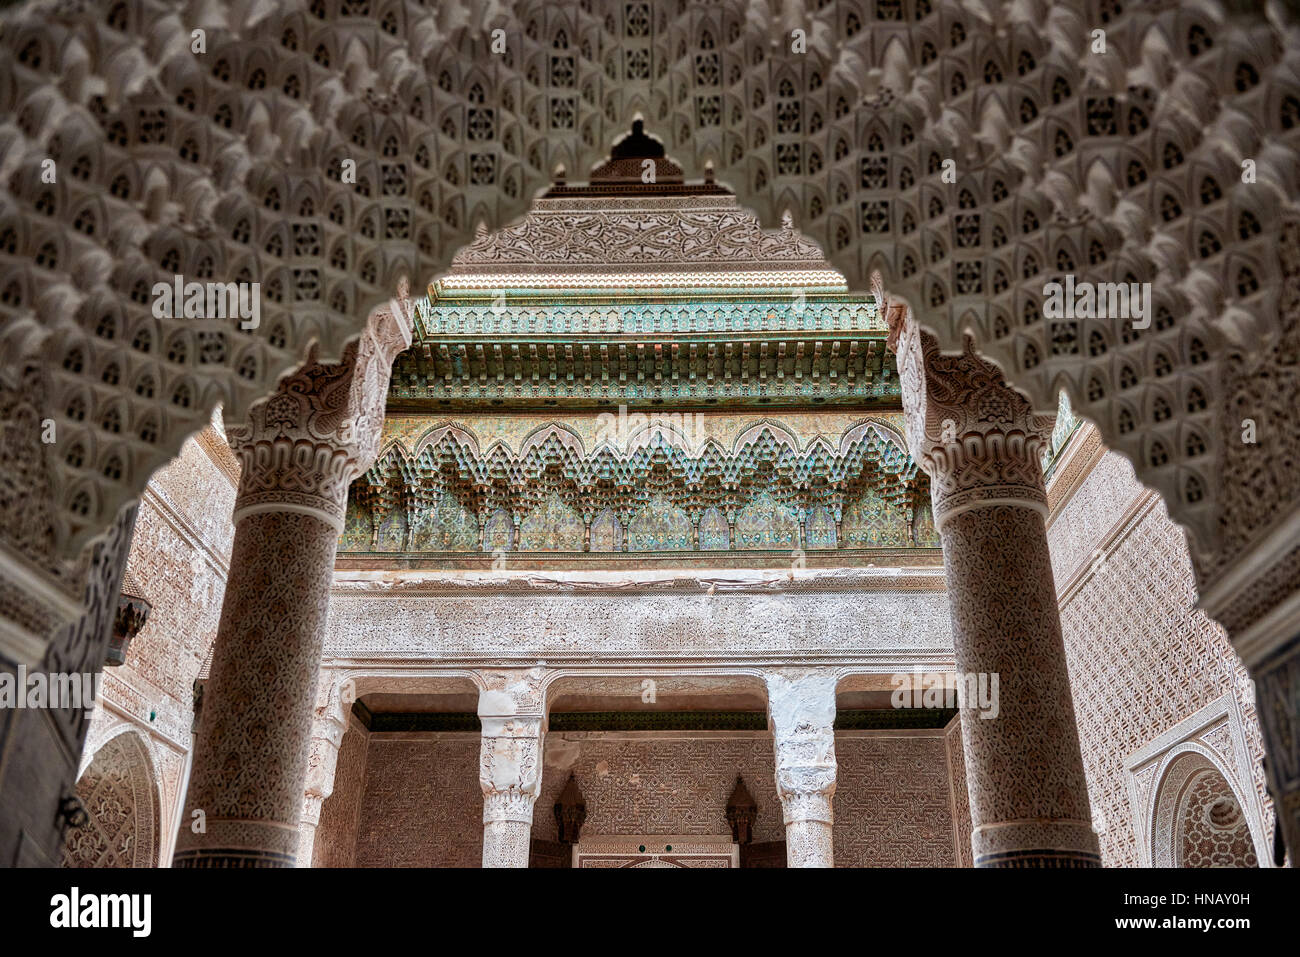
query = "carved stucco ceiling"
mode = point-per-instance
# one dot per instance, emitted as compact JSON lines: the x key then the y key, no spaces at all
{"x":227,"y":165}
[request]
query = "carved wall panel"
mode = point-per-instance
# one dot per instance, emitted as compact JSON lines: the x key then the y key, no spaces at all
{"x":421,"y":806}
{"x":660,"y":526}
{"x":766,"y":523}
{"x":893,"y":804}
{"x":1142,"y":657}
{"x":358,"y":529}
{"x":1108,"y":491}
{"x":392,"y":533}
{"x":870,"y":521}
{"x":554,"y":526}
{"x":821,"y":529}
{"x":549,"y":617}
{"x":498,"y":535}
{"x":659,"y":783}
{"x":445,"y":526}
{"x":606,"y":533}
{"x":340,"y":817}
{"x":714,"y":533}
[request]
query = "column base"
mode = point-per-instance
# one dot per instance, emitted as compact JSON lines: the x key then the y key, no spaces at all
{"x":241,"y":844}
{"x":1036,"y":843}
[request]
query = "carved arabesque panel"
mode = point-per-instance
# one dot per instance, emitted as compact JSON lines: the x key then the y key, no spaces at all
{"x":122,"y":799}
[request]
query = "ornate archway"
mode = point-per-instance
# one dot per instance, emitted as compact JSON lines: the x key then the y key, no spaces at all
{"x":325,"y":152}
{"x":1198,"y":820}
{"x":120,"y":794}
{"x":968,"y":166}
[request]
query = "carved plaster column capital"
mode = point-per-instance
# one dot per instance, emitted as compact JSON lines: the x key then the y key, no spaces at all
{"x":977,"y":438}
{"x":302,"y":447}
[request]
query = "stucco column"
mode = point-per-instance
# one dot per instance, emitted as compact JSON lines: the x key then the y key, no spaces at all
{"x":40,"y":747}
{"x":327,"y":730}
{"x":1276,"y":673}
{"x":980,"y":443}
{"x":801,"y":715}
{"x":512,"y":710}
{"x":299,"y":451}
{"x":1257,"y":600}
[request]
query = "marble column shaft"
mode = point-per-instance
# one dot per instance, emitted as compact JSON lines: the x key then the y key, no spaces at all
{"x":801,"y":715}
{"x":299,"y":451}
{"x":981,"y":443}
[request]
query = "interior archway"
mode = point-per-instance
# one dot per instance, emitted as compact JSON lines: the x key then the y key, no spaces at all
{"x":1199,"y":820}
{"x":326,"y":153}
{"x":120,"y":795}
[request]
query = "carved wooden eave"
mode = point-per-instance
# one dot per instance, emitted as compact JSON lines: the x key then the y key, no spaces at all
{"x":813,"y":350}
